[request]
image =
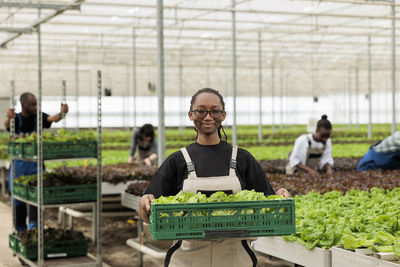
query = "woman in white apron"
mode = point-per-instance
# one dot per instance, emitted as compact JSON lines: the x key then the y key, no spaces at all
{"x":207,"y":166}
{"x":313,"y":152}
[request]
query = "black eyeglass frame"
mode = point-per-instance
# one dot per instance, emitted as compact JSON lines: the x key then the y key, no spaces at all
{"x":214,"y":113}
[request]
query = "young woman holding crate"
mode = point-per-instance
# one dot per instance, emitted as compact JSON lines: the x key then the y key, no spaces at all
{"x":207,"y":166}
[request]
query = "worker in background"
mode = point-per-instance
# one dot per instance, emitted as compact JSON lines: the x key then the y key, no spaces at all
{"x":207,"y":166}
{"x":383,"y":155}
{"x":25,"y":124}
{"x":144,"y":142}
{"x":313,"y":152}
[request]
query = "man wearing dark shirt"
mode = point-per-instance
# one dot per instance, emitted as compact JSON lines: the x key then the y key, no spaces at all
{"x":25,"y":124}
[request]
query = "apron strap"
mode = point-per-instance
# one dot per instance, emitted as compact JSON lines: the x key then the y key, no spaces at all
{"x":189,"y":164}
{"x":313,"y":155}
{"x":171,"y":250}
{"x":233,"y":161}
{"x":250,"y":252}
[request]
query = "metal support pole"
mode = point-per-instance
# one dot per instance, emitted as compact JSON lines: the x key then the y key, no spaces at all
{"x":40,"y":154}
{"x":357,"y":106}
{"x":369,"y":91}
{"x":12,"y":138}
{"x":281,"y":99}
{"x":259,"y":88}
{"x":77,"y":85}
{"x":349,"y":92}
{"x":393,"y":68}
{"x":273,"y":96}
{"x":64,"y":121}
{"x":12,"y":105}
{"x":234,"y":130}
{"x":134,"y":81}
{"x":160,"y":76}
{"x":286,"y":95}
{"x":180,"y":97}
{"x":98,"y":209}
{"x":64,"y":101}
{"x":124,"y":99}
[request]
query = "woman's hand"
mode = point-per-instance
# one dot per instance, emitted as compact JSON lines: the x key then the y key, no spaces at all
{"x":283,"y":192}
{"x":144,"y":207}
{"x":147,"y":161}
{"x":313,"y":172}
{"x":130,"y":159}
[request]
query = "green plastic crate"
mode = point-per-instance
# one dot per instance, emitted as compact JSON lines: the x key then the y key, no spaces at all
{"x":15,"y":149}
{"x":64,"y":194}
{"x":60,"y":150}
{"x":252,"y":219}
{"x":57,"y":194}
{"x":67,"y":248}
{"x":20,"y":190}
{"x":13,"y":242}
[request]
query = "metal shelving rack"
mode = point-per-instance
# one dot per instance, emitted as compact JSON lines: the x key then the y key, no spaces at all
{"x":66,"y":262}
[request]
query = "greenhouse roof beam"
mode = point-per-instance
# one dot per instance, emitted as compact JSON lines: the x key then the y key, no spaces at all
{"x":320,"y":26}
{"x":273,"y":31}
{"x":15,"y":30}
{"x":365,"y":2}
{"x":265,"y":12}
{"x":37,"y":5}
{"x":43,"y":20}
{"x":269,"y":30}
{"x":227,"y":39}
{"x":239,"y":21}
{"x":249,"y":53}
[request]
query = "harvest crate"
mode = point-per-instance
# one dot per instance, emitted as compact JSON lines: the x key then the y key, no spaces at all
{"x":13,"y":242}
{"x":15,"y":149}
{"x":68,"y":248}
{"x":54,"y":150}
{"x":20,"y":190}
{"x":57,"y":194}
{"x":197,"y":220}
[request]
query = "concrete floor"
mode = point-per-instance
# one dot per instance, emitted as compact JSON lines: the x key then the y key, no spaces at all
{"x":6,"y":258}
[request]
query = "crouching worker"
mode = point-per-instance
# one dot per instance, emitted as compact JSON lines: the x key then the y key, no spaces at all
{"x":313,"y":152}
{"x":384,"y":155}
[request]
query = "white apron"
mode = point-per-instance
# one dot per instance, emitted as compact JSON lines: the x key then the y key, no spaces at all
{"x":224,"y":252}
{"x":312,"y":161}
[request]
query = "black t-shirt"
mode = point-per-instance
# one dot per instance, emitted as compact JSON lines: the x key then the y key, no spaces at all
{"x":29,"y":124}
{"x":209,"y":161}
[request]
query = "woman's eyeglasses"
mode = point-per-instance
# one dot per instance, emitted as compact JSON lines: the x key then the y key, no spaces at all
{"x":202,"y":113}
